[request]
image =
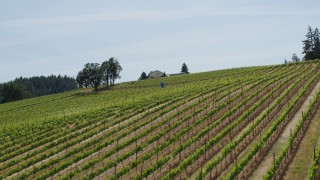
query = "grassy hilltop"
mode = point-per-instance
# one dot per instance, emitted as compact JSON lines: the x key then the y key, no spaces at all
{"x":219,"y":124}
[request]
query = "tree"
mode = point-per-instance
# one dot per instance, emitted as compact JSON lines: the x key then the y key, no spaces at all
{"x":1,"y":97}
{"x":90,"y":75}
{"x":285,"y":61}
{"x":311,"y":47}
{"x":111,"y":71}
{"x":316,"y":44}
{"x":164,"y":74}
{"x":82,"y":79}
{"x":12,"y":92}
{"x":115,"y":70}
{"x":93,"y":74}
{"x":106,"y":72}
{"x":295,"y":58}
{"x":184,"y":68}
{"x":143,"y":76}
{"x":308,"y":45}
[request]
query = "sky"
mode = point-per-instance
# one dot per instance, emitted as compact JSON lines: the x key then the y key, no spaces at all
{"x":58,"y":37}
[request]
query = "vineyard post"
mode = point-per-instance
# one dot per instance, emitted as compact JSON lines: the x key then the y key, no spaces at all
{"x":253,"y":128}
{"x":136,"y":149}
{"x":216,"y":172}
{"x":180,"y":152}
{"x":169,"y":127}
{"x":274,"y":164}
{"x":141,"y":171}
{"x":2,"y":169}
{"x":302,"y":118}
{"x":157,"y":150}
{"x":92,"y":167}
{"x":117,"y":146}
{"x":205,"y":149}
{"x":260,"y":135}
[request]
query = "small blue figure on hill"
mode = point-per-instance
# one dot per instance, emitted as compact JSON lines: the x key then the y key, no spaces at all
{"x":162,"y":85}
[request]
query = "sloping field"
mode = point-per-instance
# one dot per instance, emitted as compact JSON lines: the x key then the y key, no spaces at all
{"x":238,"y":123}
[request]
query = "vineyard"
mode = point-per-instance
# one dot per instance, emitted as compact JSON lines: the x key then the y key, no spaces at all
{"x":241,"y":123}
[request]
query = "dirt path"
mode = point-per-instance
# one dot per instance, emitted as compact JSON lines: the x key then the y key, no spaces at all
{"x":277,"y":146}
{"x":298,"y":169}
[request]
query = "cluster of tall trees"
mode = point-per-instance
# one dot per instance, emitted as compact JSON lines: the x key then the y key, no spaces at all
{"x":311,"y":46}
{"x":22,"y":88}
{"x":94,"y":74}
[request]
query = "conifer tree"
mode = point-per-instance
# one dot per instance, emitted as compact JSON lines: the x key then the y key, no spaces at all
{"x":316,"y":44}
{"x":308,"y":45}
{"x":143,"y":76}
{"x":295,"y":58}
{"x":184,"y":68}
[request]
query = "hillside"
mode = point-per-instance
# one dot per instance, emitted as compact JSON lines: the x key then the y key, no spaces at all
{"x":213,"y":125}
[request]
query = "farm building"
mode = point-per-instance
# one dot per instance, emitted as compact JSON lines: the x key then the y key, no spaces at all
{"x":156,"y":74}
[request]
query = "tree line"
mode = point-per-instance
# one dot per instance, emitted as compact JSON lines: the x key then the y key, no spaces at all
{"x":94,"y":74}
{"x":22,"y":88}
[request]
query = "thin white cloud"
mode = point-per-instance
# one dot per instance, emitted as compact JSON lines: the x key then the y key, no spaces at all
{"x":115,"y":16}
{"x":167,"y":15}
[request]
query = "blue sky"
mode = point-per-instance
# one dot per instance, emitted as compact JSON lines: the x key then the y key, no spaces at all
{"x":58,"y":37}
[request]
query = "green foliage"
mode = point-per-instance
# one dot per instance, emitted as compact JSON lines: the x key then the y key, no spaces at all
{"x":295,"y":58}
{"x":143,"y":76}
{"x":184,"y":68}
{"x":316,"y":44}
{"x":93,"y":74}
{"x":90,"y":75}
{"x":164,"y":74}
{"x":313,"y":170}
{"x":111,"y":71}
{"x":22,"y":88}
{"x":12,"y":92}
{"x":311,"y":46}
